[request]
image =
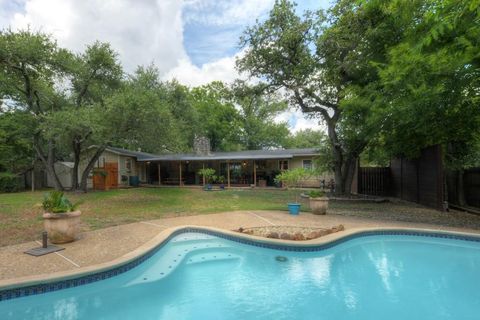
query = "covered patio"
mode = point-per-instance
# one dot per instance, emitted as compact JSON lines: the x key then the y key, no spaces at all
{"x":244,"y":168}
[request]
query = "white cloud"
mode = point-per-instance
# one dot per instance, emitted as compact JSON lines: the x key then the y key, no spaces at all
{"x":298,"y":121}
{"x":140,"y":31}
{"x":220,"y":70}
{"x":225,"y":12}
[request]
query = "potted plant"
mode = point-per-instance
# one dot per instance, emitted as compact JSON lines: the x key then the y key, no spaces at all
{"x":291,"y":178}
{"x":318,"y":202}
{"x":209,"y":175}
{"x":221,"y":180}
{"x":61,"y":218}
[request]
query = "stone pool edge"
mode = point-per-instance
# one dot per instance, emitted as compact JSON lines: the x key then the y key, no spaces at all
{"x":38,"y":284}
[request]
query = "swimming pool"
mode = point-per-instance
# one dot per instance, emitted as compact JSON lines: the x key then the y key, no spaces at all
{"x":202,"y":276}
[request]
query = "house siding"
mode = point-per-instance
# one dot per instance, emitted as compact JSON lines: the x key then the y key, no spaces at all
{"x":312,"y":182}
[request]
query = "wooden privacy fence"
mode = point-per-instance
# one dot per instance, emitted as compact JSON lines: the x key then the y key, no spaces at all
{"x":419,"y":180}
{"x":471,"y":179}
{"x":374,"y":181}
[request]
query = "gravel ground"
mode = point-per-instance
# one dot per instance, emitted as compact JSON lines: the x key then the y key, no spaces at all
{"x":405,"y":212}
{"x":290,"y":232}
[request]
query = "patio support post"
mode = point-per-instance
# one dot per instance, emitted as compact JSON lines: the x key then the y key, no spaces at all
{"x":159,"y":175}
{"x":254,"y":174}
{"x":228,"y":173}
{"x":203,"y":177}
{"x":180,"y":175}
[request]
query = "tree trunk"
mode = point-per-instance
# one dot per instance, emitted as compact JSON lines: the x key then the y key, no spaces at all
{"x":348,"y":173}
{"x":338,"y":161}
{"x":89,"y":167}
{"x":48,"y":162}
{"x":343,"y":164}
{"x":76,"y":163}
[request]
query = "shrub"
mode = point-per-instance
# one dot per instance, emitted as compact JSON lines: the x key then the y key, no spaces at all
{"x":292,"y":177}
{"x":9,"y":182}
{"x":316,"y":194}
{"x":56,"y":202}
{"x":208,"y":173}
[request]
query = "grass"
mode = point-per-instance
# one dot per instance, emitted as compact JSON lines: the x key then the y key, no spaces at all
{"x":21,"y":213}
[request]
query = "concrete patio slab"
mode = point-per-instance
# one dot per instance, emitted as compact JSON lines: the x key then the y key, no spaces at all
{"x":104,"y":245}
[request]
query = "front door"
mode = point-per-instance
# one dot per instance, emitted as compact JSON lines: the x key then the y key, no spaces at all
{"x":111,"y":180}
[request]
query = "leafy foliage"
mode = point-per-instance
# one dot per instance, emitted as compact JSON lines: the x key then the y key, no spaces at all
{"x":218,"y":120}
{"x":57,"y":202}
{"x":208,"y":174}
{"x":431,"y":81}
{"x":316,"y":194}
{"x":9,"y":182}
{"x":307,"y":138}
{"x":293,"y":177}
{"x":140,"y":118}
{"x":257,"y":111}
{"x":321,"y":63}
{"x":16,"y":151}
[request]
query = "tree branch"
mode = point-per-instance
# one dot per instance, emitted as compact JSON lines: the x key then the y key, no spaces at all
{"x":307,"y":109}
{"x":84,"y":90}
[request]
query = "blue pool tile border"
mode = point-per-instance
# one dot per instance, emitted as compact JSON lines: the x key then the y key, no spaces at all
{"x":41,"y":288}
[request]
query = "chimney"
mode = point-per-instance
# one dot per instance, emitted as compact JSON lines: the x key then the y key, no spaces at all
{"x":201,"y":146}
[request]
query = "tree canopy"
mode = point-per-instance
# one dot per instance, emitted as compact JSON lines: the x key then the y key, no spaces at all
{"x":385,"y":78}
{"x":60,"y":105}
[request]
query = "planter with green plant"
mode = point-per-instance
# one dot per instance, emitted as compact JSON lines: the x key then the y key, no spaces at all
{"x":318,"y":202}
{"x":209,"y":175}
{"x":61,"y":218}
{"x":292,"y":178}
{"x":221,"y":181}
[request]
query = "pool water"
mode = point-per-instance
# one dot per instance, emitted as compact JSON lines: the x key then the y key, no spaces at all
{"x":198,"y":276}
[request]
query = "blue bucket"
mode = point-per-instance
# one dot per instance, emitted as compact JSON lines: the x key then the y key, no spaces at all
{"x":294,"y":208}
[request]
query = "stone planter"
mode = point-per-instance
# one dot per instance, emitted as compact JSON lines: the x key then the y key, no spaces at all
{"x":62,"y":227}
{"x":319,"y":205}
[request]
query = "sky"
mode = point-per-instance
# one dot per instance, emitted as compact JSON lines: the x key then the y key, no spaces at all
{"x":193,"y":41}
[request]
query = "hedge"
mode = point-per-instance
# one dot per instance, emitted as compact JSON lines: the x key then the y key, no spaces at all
{"x":10,"y":182}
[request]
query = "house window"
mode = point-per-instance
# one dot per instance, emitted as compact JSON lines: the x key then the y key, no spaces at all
{"x":283,"y":164}
{"x":307,"y":164}
{"x":128,"y":164}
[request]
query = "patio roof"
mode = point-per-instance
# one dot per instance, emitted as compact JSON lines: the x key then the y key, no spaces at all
{"x":129,"y":153}
{"x":235,"y":155}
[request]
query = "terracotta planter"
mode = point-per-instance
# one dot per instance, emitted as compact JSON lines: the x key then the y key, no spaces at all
{"x":319,"y":205}
{"x":62,"y":227}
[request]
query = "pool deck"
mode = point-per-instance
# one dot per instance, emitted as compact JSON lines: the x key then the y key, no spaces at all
{"x":103,"y":247}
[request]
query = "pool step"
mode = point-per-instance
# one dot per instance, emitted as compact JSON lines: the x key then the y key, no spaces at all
{"x":212,"y":256}
{"x":192,"y":237}
{"x":191,"y":252}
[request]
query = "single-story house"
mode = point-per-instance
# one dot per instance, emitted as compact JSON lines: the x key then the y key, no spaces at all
{"x":240,"y":168}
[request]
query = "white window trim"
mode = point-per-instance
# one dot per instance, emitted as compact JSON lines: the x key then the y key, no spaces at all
{"x":303,"y":163}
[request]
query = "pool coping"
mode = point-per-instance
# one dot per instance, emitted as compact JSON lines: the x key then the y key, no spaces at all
{"x":38,"y":284}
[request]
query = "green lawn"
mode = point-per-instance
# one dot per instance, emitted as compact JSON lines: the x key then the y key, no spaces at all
{"x":20,"y":213}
